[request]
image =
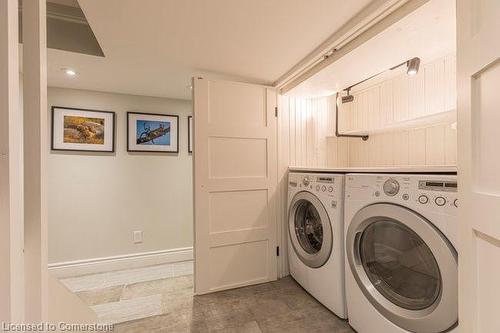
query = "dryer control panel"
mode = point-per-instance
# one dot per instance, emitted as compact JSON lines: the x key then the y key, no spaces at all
{"x":433,"y":196}
{"x":421,"y":191}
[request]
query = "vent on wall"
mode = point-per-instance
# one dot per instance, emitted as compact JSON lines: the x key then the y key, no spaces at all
{"x":67,"y":28}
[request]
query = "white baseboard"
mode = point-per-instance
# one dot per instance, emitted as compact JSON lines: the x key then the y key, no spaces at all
{"x":106,"y":264}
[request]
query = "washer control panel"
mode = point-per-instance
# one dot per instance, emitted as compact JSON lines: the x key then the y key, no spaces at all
{"x":316,"y":183}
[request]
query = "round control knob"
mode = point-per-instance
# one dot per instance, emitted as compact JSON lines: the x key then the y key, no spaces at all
{"x":330,"y":188}
{"x":423,"y":199}
{"x":440,"y":201}
{"x":455,"y":202}
{"x":406,"y":196}
{"x":391,"y":187}
{"x":306,"y":181}
{"x":323,"y":188}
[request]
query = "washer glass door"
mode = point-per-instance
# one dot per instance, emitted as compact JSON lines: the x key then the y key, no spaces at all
{"x":308,"y":227}
{"x":310,"y":230}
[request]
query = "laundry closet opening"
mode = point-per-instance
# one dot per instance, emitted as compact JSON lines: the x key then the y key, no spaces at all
{"x":374,"y":131}
{"x":131,"y":190}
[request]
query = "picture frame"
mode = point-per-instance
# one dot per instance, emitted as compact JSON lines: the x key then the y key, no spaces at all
{"x":190,"y":134}
{"x":152,"y":132}
{"x":86,"y":130}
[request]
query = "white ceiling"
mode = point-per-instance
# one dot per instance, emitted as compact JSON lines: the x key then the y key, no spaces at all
{"x":154,"y":47}
{"x":428,"y":33}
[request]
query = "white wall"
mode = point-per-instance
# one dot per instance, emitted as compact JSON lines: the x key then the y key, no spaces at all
{"x":96,"y":200}
{"x":411,"y":119}
{"x":411,"y":122}
{"x":307,"y":129}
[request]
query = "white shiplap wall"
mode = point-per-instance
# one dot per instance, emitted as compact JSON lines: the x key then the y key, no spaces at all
{"x":411,"y":121}
{"x":307,"y":125}
{"x":426,"y":146}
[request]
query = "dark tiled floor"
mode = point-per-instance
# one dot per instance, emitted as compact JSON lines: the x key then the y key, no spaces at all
{"x":281,"y":306}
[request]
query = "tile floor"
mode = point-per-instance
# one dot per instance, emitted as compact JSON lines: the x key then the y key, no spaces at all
{"x":160,"y":299}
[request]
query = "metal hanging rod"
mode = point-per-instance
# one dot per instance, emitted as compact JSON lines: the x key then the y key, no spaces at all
{"x":412,"y":65}
{"x":337,"y":133}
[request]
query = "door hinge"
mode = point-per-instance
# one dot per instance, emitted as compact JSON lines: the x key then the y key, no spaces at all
{"x":277,"y":251}
{"x":276,"y":111}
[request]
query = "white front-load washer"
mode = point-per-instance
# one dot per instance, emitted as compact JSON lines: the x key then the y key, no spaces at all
{"x":316,"y":236}
{"x":401,"y":259}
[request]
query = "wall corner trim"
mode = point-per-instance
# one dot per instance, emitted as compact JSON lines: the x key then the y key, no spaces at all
{"x":127,"y":261}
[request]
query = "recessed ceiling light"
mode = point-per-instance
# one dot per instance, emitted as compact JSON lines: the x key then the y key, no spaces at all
{"x":69,"y":71}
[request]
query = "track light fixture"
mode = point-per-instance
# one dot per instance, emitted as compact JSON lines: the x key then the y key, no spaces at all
{"x":412,"y":66}
{"x":349,"y":98}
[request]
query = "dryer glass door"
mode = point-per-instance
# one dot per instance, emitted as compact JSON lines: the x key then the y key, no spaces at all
{"x":405,"y":267}
{"x":310,"y":229}
{"x":399,"y":264}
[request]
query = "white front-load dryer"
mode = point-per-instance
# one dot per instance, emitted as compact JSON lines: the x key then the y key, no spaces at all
{"x":401,"y":258}
{"x":316,"y":241}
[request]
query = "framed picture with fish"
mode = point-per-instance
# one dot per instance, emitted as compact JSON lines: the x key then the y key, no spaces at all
{"x":75,"y":129}
{"x":151,"y":132}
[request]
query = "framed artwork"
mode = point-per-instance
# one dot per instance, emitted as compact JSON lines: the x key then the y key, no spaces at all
{"x":190,"y":134}
{"x":82,"y":130}
{"x":150,"y":132}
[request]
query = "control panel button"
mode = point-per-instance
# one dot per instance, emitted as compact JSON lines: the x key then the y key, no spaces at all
{"x":323,"y":188}
{"x":330,"y":188}
{"x":406,"y":196}
{"x":423,"y":199}
{"x":391,"y":187}
{"x":306,"y":181}
{"x":455,"y":202}
{"x":440,"y":201}
{"x":377,"y":193}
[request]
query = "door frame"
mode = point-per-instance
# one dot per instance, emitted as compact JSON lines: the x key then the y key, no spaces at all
{"x":11,"y":169}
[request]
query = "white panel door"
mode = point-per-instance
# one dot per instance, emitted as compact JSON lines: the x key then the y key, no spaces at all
{"x":235,"y":182}
{"x":478,"y":60}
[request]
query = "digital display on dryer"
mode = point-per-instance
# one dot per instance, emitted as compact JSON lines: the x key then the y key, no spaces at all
{"x":437,"y":185}
{"x":325,"y":179}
